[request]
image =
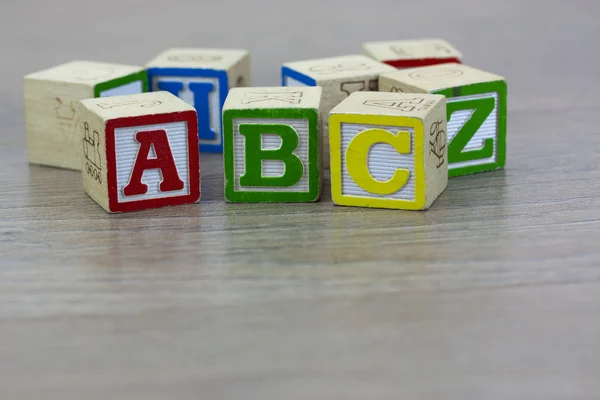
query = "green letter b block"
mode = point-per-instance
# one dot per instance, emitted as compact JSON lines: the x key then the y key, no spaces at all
{"x":291,"y":164}
{"x":271,"y":155}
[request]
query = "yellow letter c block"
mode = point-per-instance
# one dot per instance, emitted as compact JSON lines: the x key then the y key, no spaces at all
{"x":357,"y":156}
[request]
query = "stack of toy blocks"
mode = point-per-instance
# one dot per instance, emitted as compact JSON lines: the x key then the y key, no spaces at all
{"x":388,"y":150}
{"x":412,"y":53}
{"x":51,"y":97}
{"x":202,"y":77}
{"x":476,"y":112}
{"x":272,"y":144}
{"x":139,"y":151}
{"x":338,"y":76}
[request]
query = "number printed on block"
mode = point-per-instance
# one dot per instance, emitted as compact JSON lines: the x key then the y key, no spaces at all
{"x":388,"y":150}
{"x":51,"y":97}
{"x":202,"y":78}
{"x":272,"y":145}
{"x":412,"y":53}
{"x":139,"y":151}
{"x":476,"y":112}
{"x":338,"y":76}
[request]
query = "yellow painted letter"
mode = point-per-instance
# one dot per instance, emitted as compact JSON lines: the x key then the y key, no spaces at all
{"x":358,"y":153}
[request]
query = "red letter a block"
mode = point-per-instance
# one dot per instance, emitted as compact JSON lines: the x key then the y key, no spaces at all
{"x":148,"y":146}
{"x":163,"y":161}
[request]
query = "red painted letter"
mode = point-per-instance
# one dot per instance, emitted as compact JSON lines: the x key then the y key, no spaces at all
{"x":163,"y":161}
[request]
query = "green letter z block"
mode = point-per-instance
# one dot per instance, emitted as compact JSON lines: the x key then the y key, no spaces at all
{"x":476,"y":127}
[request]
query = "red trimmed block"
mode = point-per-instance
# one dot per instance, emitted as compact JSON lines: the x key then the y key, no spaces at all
{"x":139,"y":151}
{"x":413,"y":53}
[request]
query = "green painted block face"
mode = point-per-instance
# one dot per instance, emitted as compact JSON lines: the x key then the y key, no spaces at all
{"x":271,"y":155}
{"x":476,"y":127}
{"x":125,"y":85}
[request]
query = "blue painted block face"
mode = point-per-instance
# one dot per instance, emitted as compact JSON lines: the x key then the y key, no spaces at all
{"x":205,"y":90}
{"x":290,"y":77}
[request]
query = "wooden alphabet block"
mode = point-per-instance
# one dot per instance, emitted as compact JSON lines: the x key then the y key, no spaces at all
{"x":338,"y":76}
{"x":139,"y":151}
{"x":388,"y":150}
{"x":476,"y":112}
{"x":272,"y":144}
{"x":412,"y":53}
{"x":50,"y":100}
{"x":202,"y":77}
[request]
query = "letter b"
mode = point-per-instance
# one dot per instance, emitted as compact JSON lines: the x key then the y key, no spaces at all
{"x":254,"y":155}
{"x":271,"y":145}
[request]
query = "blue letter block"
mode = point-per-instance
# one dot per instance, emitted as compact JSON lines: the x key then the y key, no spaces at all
{"x":202,"y":78}
{"x":291,"y":77}
{"x":203,"y":89}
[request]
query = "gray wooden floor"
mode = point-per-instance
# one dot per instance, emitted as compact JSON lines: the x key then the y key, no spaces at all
{"x":494,"y":293}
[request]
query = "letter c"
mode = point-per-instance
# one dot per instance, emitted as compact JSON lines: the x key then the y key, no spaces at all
{"x":357,"y":156}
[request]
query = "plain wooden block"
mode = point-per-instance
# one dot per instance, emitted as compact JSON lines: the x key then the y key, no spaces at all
{"x":413,"y":53}
{"x":139,"y":151}
{"x":50,"y":100}
{"x":388,"y":150}
{"x":272,"y":144}
{"x":339,"y":77}
{"x":202,"y":77}
{"x":476,"y":112}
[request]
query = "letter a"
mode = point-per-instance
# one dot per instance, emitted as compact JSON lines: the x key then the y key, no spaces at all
{"x":163,"y":161}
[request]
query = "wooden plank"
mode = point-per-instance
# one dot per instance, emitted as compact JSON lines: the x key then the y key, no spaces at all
{"x":492,"y":293}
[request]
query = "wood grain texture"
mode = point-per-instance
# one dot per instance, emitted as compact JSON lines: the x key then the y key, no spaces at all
{"x":51,"y":98}
{"x":493,"y":293}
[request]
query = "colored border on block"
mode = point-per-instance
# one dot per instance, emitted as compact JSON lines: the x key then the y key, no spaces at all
{"x":499,"y":87}
{"x":113,"y":83}
{"x":193,"y":160}
{"x":421,"y":62}
{"x":313,"y":169}
{"x":291,"y":73}
{"x":199,"y":73}
{"x":335,"y":135}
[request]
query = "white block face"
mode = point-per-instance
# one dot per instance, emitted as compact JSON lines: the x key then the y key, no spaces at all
{"x":487,"y":130}
{"x":188,"y":96}
{"x":129,"y":88}
{"x":383,"y":160}
{"x":289,"y":81}
{"x":126,"y":151}
{"x":271,"y":168}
